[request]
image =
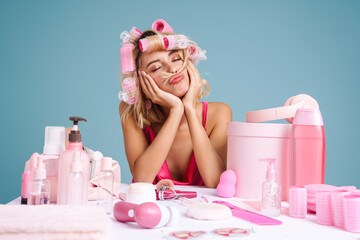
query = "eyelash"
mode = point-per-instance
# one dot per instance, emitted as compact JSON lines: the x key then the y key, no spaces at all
{"x":176,"y":59}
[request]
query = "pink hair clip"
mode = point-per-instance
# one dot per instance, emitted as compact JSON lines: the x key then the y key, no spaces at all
{"x":129,"y":86}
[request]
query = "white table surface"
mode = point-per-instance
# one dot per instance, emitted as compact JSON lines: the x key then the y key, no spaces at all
{"x":291,"y":228}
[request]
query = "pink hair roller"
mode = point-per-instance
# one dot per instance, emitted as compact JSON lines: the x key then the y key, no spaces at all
{"x":127,"y":60}
{"x":176,"y":42}
{"x":144,"y":43}
{"x":226,"y":186}
{"x":147,"y":215}
{"x":297,"y":202}
{"x":337,"y":198}
{"x":323,"y":208}
{"x":352,"y":213}
{"x":129,"y":86}
{"x":161,"y":25}
{"x":135,"y":33}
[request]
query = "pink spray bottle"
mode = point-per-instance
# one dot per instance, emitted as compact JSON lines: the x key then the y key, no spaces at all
{"x":65,"y":160}
{"x":307,"y":157}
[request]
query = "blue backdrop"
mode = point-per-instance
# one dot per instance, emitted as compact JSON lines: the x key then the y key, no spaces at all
{"x":61,"y":58}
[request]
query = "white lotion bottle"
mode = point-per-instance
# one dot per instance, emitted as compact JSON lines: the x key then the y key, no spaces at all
{"x":106,"y":185}
{"x":271,"y":191}
{"x":75,"y":181}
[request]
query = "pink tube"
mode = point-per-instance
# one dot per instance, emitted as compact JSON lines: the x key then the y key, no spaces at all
{"x":161,"y":25}
{"x":127,"y":60}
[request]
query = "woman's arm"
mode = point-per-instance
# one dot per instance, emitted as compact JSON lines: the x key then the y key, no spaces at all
{"x":146,"y":160}
{"x":210,"y":151}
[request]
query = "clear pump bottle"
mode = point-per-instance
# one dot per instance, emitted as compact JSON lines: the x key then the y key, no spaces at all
{"x":39,"y":188}
{"x":75,"y":181}
{"x":106,"y":185}
{"x":271,"y":191}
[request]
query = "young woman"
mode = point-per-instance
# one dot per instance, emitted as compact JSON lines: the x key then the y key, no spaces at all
{"x":168,"y":132}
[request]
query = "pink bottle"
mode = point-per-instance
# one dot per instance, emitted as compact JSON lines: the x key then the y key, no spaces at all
{"x":307,"y":157}
{"x":65,"y":163}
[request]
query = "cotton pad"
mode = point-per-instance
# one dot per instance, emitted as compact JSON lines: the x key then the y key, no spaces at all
{"x":208,"y":211}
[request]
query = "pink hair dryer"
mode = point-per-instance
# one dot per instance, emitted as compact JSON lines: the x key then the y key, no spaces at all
{"x":147,"y":215}
{"x":161,"y":25}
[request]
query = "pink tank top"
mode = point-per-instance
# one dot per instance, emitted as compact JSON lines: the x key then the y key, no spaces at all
{"x":192,"y":175}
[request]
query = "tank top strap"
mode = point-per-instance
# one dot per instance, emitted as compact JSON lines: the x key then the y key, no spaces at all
{"x":204,"y":113}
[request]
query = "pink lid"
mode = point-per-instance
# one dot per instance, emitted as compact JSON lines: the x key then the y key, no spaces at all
{"x":308,"y":116}
{"x":273,"y":130}
{"x":106,"y":163}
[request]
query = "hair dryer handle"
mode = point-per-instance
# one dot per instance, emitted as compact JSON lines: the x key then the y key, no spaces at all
{"x":124,"y":211}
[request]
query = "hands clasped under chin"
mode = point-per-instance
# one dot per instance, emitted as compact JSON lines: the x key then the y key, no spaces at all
{"x":158,"y":96}
{"x":166,"y":99}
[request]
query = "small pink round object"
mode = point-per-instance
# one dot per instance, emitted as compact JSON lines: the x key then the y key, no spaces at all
{"x":297,"y":202}
{"x":226,"y":186}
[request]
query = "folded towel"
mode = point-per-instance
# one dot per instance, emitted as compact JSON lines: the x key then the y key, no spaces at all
{"x":53,"y":222}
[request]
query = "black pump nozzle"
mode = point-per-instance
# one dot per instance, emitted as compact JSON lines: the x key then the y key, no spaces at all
{"x":75,"y":135}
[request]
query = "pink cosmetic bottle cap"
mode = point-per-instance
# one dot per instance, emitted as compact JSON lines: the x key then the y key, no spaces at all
{"x":106,"y":163}
{"x":308,"y":116}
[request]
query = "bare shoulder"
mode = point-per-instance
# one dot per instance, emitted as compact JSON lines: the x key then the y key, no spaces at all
{"x":218,"y":110}
{"x":218,"y":113}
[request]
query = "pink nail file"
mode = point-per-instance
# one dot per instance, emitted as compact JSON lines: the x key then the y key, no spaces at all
{"x":250,"y":216}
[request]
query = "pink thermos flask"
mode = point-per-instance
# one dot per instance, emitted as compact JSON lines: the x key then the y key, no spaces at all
{"x":307,"y":157}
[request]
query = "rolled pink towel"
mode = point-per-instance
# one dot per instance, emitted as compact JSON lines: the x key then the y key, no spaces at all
{"x":53,"y":222}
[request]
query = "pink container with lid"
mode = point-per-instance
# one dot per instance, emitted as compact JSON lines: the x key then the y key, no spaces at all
{"x":307,"y":158}
{"x":247,"y":142}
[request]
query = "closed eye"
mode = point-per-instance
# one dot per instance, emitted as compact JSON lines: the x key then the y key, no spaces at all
{"x":154,"y":70}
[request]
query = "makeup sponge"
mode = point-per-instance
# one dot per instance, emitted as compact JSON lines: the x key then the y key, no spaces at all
{"x":208,"y":211}
{"x":226,"y":186}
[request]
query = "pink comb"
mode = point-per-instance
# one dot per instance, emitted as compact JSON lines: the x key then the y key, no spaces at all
{"x":250,"y":216}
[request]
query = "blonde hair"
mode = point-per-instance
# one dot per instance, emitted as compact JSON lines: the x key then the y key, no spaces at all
{"x":142,"y":115}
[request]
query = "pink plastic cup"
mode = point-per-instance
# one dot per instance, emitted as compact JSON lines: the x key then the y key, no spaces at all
{"x":297,"y":202}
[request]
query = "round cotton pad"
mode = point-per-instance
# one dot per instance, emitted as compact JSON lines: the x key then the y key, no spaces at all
{"x":208,"y":211}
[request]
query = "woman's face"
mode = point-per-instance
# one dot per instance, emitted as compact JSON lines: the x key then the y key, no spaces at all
{"x":157,"y":63}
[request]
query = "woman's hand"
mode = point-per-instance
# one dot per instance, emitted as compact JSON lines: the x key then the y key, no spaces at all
{"x":157,"y":95}
{"x":192,"y":96}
